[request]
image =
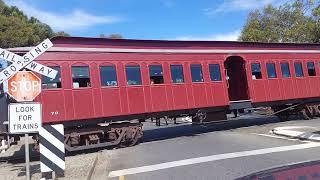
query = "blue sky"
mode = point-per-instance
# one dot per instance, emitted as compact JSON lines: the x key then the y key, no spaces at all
{"x":145,"y":19}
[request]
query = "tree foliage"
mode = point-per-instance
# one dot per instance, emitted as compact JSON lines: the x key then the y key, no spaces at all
{"x":61,"y":33}
{"x":111,"y":36}
{"x":16,"y":29}
{"x":298,"y":21}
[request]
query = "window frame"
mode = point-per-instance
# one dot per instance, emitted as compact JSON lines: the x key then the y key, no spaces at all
{"x":295,"y":73}
{"x":52,"y":89}
{"x":183,"y":73}
{"x":275,"y":70}
{"x":162,"y":70}
{"x":126,"y":76}
{"x":116,"y":74}
{"x":251,"y":70}
{"x":220,"y":74}
{"x":89,"y":73}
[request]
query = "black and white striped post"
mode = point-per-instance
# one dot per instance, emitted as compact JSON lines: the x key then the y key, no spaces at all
{"x":52,"y":150}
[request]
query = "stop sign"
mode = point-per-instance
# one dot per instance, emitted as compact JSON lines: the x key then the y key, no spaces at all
{"x":24,"y":86}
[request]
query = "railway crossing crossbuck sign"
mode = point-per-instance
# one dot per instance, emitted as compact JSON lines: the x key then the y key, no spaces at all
{"x":26,"y":61}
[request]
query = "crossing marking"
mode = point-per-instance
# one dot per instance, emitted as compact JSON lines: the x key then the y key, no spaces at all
{"x":273,"y":136}
{"x":212,"y":158}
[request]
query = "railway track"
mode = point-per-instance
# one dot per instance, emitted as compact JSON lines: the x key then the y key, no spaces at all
{"x":18,"y":159}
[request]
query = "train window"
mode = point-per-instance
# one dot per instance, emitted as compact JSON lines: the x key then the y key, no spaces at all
{"x":196,"y":72}
{"x":271,"y":70}
{"x":256,"y":71}
{"x":133,"y":75}
{"x":108,"y":76}
{"x":214,"y":70}
{"x":285,"y":69}
{"x":176,"y":73}
{"x":80,"y":76}
{"x":48,"y":83}
{"x":298,"y":69}
{"x":311,"y":69}
{"x":156,"y":74}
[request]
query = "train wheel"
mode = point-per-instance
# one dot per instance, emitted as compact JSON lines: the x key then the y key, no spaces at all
{"x":306,"y":114}
{"x":132,"y":136}
{"x":199,"y":117}
{"x":316,"y":110}
{"x":129,"y":143}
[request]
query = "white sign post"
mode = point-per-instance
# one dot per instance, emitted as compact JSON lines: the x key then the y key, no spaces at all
{"x":25,"y":118}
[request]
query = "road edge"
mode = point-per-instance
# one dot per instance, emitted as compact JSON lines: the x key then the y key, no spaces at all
{"x":93,"y":166}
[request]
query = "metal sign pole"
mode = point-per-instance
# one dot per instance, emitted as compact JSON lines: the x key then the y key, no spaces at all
{"x":27,"y":156}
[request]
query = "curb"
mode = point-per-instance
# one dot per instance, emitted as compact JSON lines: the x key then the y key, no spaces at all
{"x":93,"y":167}
{"x":286,"y":131}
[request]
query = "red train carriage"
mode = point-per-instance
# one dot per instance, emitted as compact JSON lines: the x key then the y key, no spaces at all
{"x":105,"y":85}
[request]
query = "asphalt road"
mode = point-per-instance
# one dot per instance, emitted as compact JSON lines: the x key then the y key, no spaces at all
{"x":219,"y":151}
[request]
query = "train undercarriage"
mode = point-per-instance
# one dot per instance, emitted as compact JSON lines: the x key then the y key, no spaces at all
{"x":122,"y":133}
{"x":304,"y":110}
{"x":129,"y":132}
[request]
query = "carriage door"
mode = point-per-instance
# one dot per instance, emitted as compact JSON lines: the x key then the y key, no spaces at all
{"x":237,"y":82}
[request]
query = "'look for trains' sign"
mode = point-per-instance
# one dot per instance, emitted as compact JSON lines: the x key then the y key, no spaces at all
{"x":24,"y":118}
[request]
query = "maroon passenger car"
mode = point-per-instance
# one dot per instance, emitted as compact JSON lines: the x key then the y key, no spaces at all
{"x":106,"y":87}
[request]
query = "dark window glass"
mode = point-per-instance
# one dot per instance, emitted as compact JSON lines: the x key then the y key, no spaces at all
{"x":196,"y":72}
{"x":48,"y":83}
{"x":108,"y":76}
{"x":176,"y":73}
{"x":285,"y":70}
{"x":214,"y":70}
{"x":156,"y":74}
{"x":256,"y":71}
{"x":311,"y":69}
{"x":133,"y":75}
{"x":298,"y":69}
{"x":80,"y":76}
{"x":271,"y":70}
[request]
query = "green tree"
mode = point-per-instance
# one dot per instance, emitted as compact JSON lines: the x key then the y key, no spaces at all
{"x":297,"y":21}
{"x":16,"y":29}
{"x":102,"y":36}
{"x":15,"y":32}
{"x":115,"y":36}
{"x":111,"y":36}
{"x":61,"y":33}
